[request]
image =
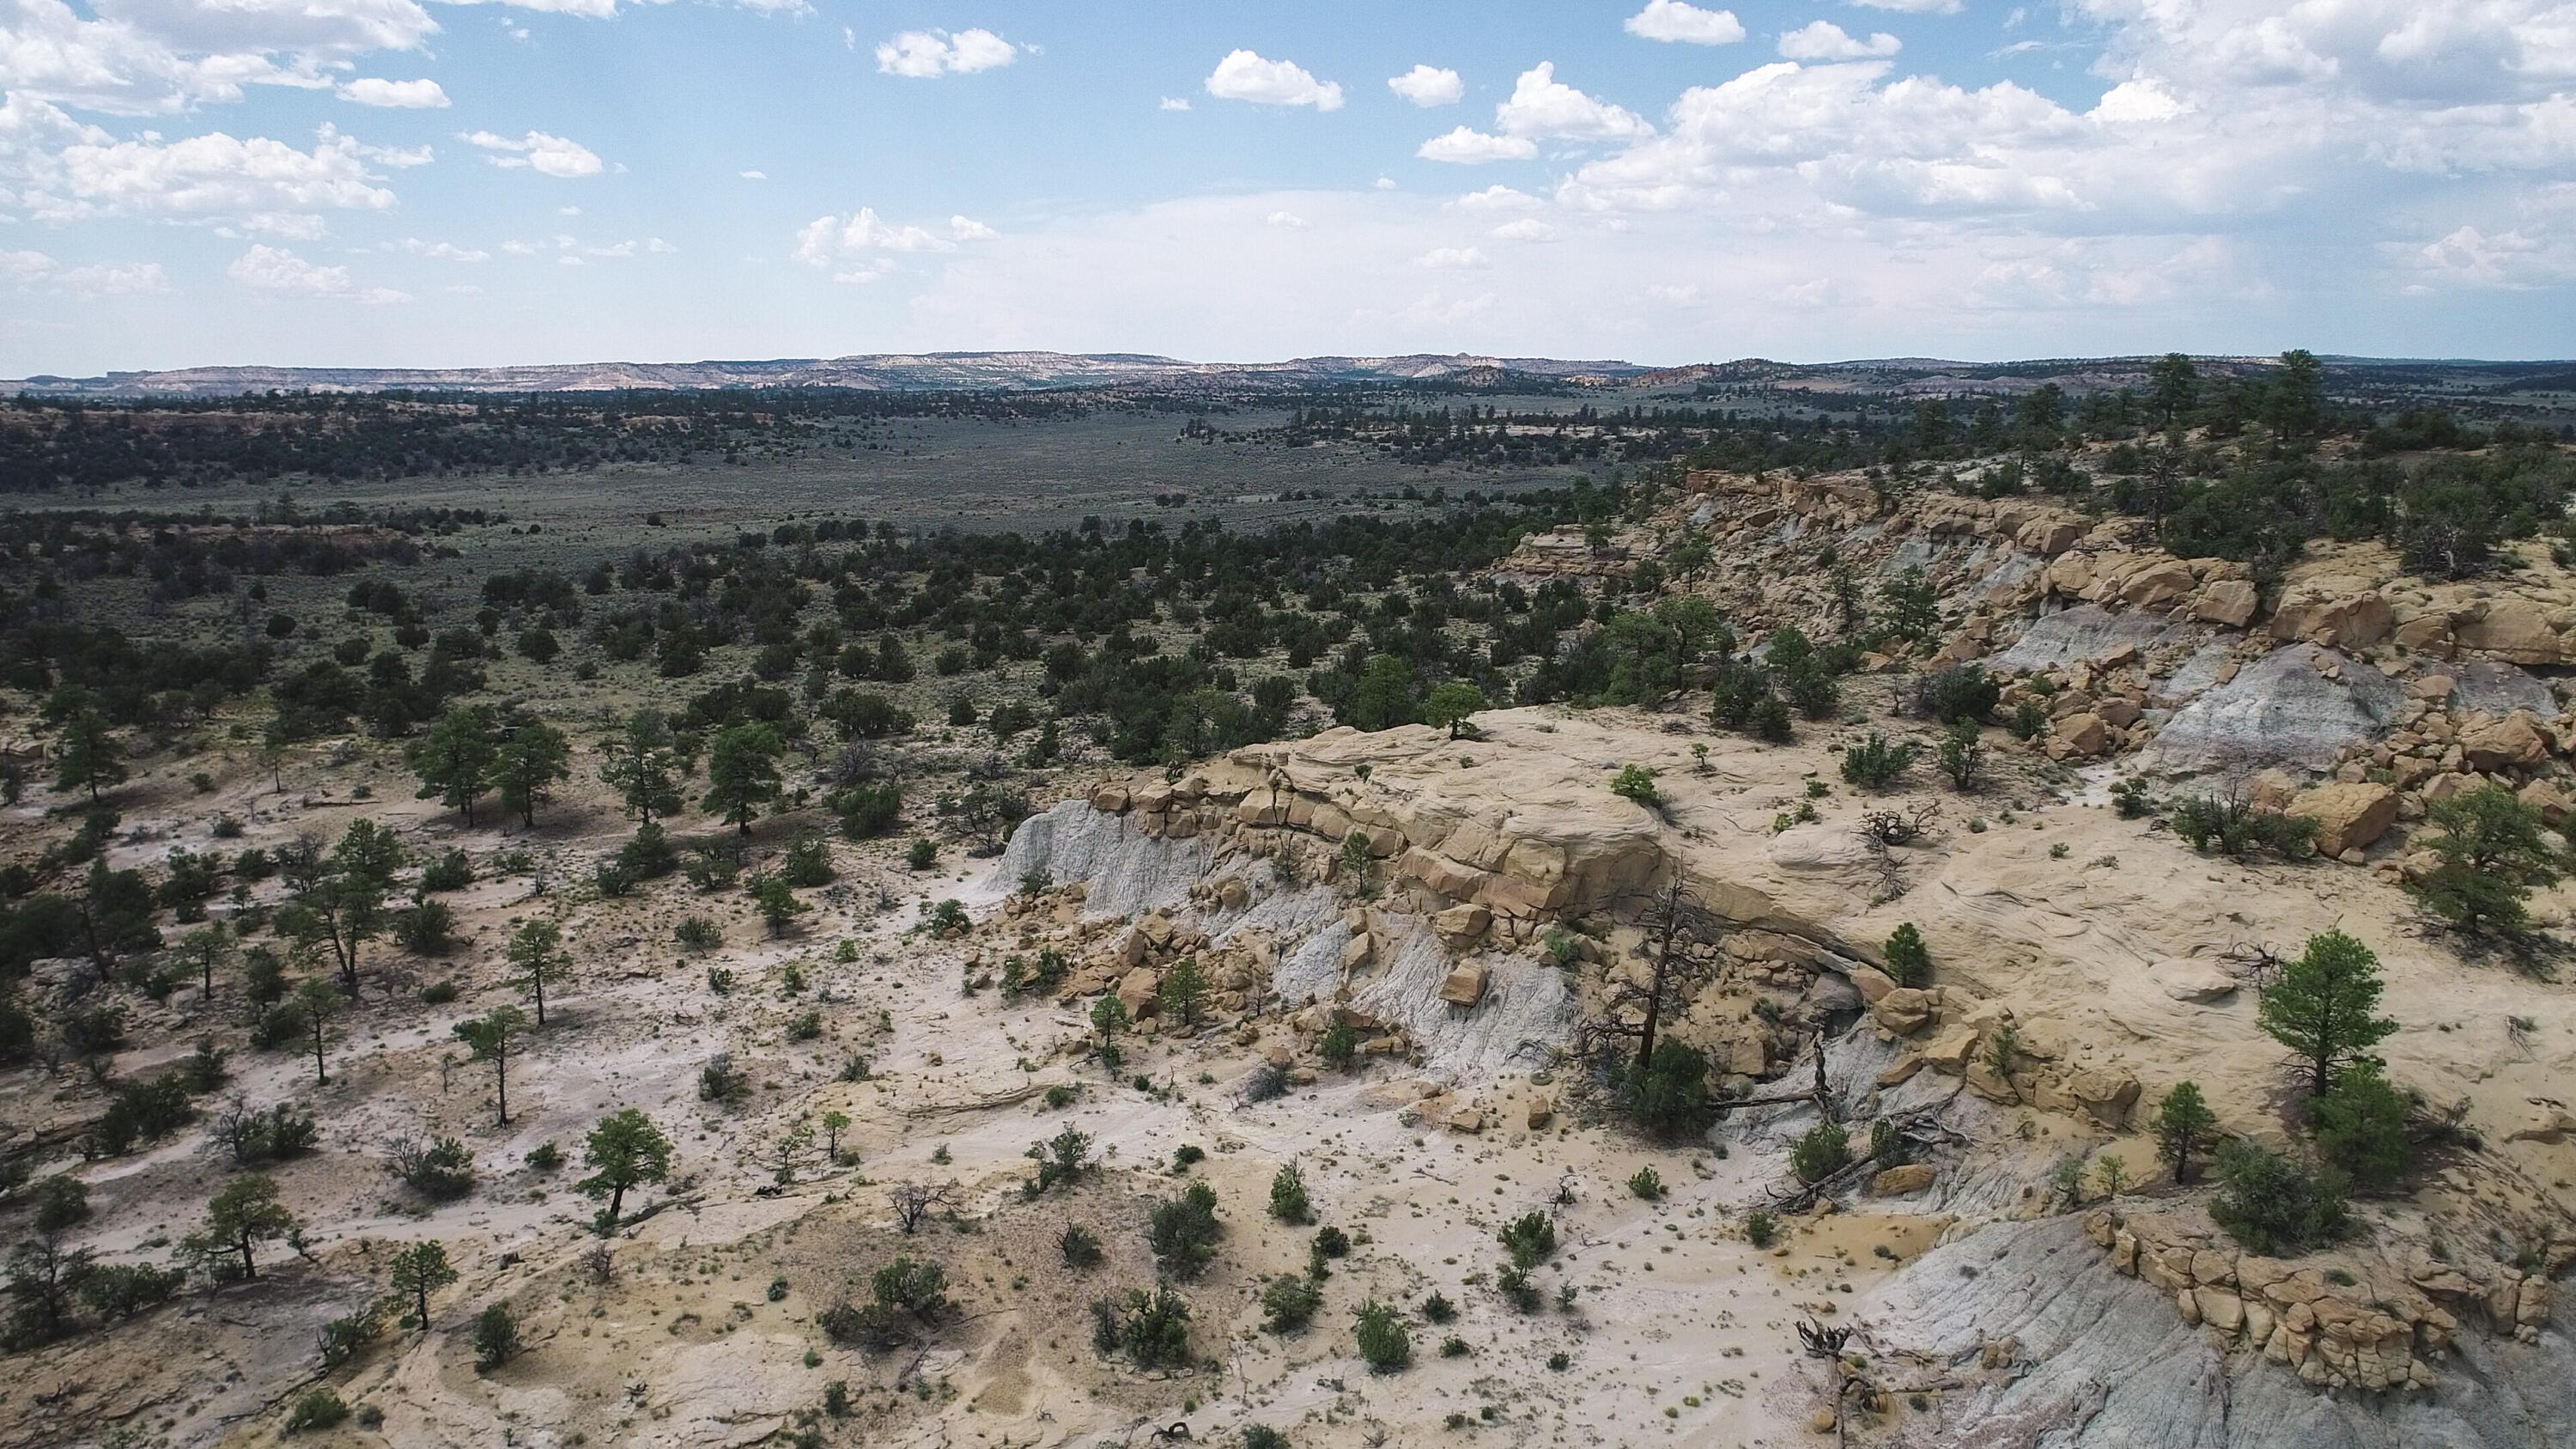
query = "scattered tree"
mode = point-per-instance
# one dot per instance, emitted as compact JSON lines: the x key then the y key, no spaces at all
{"x":244,"y":1214}
{"x":490,"y":1038}
{"x":526,"y":766}
{"x":418,"y":1271}
{"x":536,"y":952}
{"x":2321,"y":1008}
{"x":2184,"y":1128}
{"x":624,"y":1151}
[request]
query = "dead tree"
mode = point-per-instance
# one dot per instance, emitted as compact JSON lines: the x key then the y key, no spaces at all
{"x":913,"y":1202}
{"x":1685,"y":930}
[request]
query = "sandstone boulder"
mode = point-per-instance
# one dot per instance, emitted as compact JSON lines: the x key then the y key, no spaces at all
{"x":2514,"y":630}
{"x":1903,"y":1010}
{"x":2228,"y":602}
{"x":2514,"y":742}
{"x":1464,"y":985}
{"x":2188,"y":980}
{"x":2552,"y":803}
{"x":1460,"y":925}
{"x":1913,"y":1177}
{"x":2349,"y":817}
{"x":2085,"y":734}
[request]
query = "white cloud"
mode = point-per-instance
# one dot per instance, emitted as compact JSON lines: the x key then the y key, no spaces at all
{"x":1500,"y":198}
{"x":1544,"y":108}
{"x":1918,"y":7}
{"x":1245,"y":76}
{"x":1824,"y":40}
{"x":1450,"y":258}
{"x":137,"y":279}
{"x":25,"y":267}
{"x":1288,"y":219}
{"x":1672,"y":20}
{"x":1173,"y":103}
{"x":282,"y":273}
{"x":1528,"y":228}
{"x":439,"y":251}
{"x":143,"y":56}
{"x":1428,"y":86}
{"x":415,"y":95}
{"x":929,"y":54}
{"x":2135,"y":101}
{"x":539,"y":152}
{"x":210,"y":177}
{"x":755,"y":175}
{"x":1466,"y":146}
{"x":860,"y":243}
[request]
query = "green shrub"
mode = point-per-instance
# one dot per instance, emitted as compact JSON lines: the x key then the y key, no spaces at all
{"x":1078,"y":1246}
{"x":1152,"y":1329}
{"x":453,"y":871}
{"x":2237,"y":828}
{"x":2492,"y":854}
{"x":698,"y":933}
{"x":1646,"y":1183}
{"x":1962,"y":757}
{"x":1382,"y":1337}
{"x":1636,"y":782}
{"x":121,"y":1290}
{"x":2361,"y":1127}
{"x":1670,"y":1098}
{"x":1528,"y":1240}
{"x":1262,"y":1436}
{"x":1909,"y":961}
{"x":2272,"y":1205}
{"x":1289,"y":1202}
{"x":1438,"y":1309}
{"x":1339,"y":1047}
{"x":440,"y":1169}
{"x":1288,"y":1302}
{"x":1760,"y":1228}
{"x":922,"y":854}
{"x":315,"y":1409}
{"x":495,"y":1336}
{"x":808,"y":862}
{"x":1875,"y":764}
{"x":1183,"y":1231}
{"x":1960,"y":693}
{"x":1821,"y":1153}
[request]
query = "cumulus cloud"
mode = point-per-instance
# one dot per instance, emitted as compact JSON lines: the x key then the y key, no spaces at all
{"x":1913,"y":7}
{"x":1671,"y":20}
{"x":538,"y":152}
{"x":212,"y":177}
{"x":1544,"y":108}
{"x":439,"y":251}
{"x":929,"y":54}
{"x":277,"y":272}
{"x":133,"y":279}
{"x":1173,"y":103}
{"x":1467,"y":146}
{"x":862,"y":246}
{"x":413,"y":95}
{"x":1288,"y":219}
{"x":1245,"y":76}
{"x":1528,"y":228}
{"x":1450,"y":258}
{"x":1428,"y":86}
{"x":1500,"y":198}
{"x":1824,"y":40}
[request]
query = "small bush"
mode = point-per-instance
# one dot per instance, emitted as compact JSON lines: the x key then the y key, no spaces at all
{"x":808,"y":862}
{"x":720,"y":1080}
{"x":496,"y":1337}
{"x":1288,"y":1302}
{"x":2361,"y":1127}
{"x":1079,"y":1246}
{"x":1262,"y":1436}
{"x":1821,"y":1153}
{"x":1183,"y":1231}
{"x":121,"y":1290}
{"x":1962,"y":692}
{"x":441,"y":1169}
{"x":1529,"y":1239}
{"x":1152,"y":1329}
{"x":1438,"y":1309}
{"x":805,"y":1026}
{"x":1454,"y":1347}
{"x":1875,"y":764}
{"x":1647,"y":1183}
{"x":2274,"y":1206}
{"x":1382,"y":1337}
{"x":1289,"y":1202}
{"x":1637,"y":783}
{"x":439,"y":993}
{"x":1760,"y":1228}
{"x":2237,"y":828}
{"x":699,"y":934}
{"x":1339,"y":1046}
{"x":922,"y":854}
{"x":315,"y":1409}
{"x":1909,"y":961}
{"x":453,"y":871}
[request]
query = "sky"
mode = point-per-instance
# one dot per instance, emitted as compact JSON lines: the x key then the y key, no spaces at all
{"x":425,"y":183}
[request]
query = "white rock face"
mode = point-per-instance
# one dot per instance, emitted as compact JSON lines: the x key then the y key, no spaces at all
{"x":2297,"y":707}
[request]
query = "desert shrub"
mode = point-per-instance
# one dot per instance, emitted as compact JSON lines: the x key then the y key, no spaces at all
{"x":805,"y":1026}
{"x":1670,"y":1097}
{"x":1760,"y":1228}
{"x":2237,"y":828}
{"x":1637,"y":783}
{"x":1438,"y":1308}
{"x":1152,"y":1329}
{"x":279,"y":1028}
{"x":1079,"y":1246}
{"x":918,"y":1286}
{"x":1262,"y":1436}
{"x":1183,"y":1231}
{"x":495,"y":1337}
{"x":441,"y":1169}
{"x":1288,"y":1302}
{"x":1821,"y":1153}
{"x":426,"y":928}
{"x":2361,"y":1127}
{"x":1339,"y":1046}
{"x":1646,"y":1183}
{"x":699,"y":934}
{"x":869,"y":810}
{"x":122,"y":1290}
{"x":1289,"y":1201}
{"x":1382,"y":1337}
{"x":648,"y":854}
{"x":345,"y":1337}
{"x":315,"y":1409}
{"x":1909,"y":961}
{"x":1330,"y":1242}
{"x":922,"y":854}
{"x":1528,"y":1240}
{"x":1962,"y":757}
{"x":2274,"y":1206}
{"x":62,"y":1200}
{"x":1960,"y":692}
{"x":141,"y":1111}
{"x":720,"y":1080}
{"x":453,"y":871}
{"x":808,"y":862}
{"x":439,"y":993}
{"x":1061,"y":1160}
{"x":2492,"y":855}
{"x":1874,"y":763}
{"x":1513,"y":1282}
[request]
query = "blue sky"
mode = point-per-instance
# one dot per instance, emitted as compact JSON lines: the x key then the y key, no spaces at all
{"x":404,"y":182}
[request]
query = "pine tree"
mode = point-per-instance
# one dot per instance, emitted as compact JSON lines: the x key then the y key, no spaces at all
{"x":454,"y":759}
{"x":87,"y":756}
{"x":2321,"y":1008}
{"x":526,"y":766}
